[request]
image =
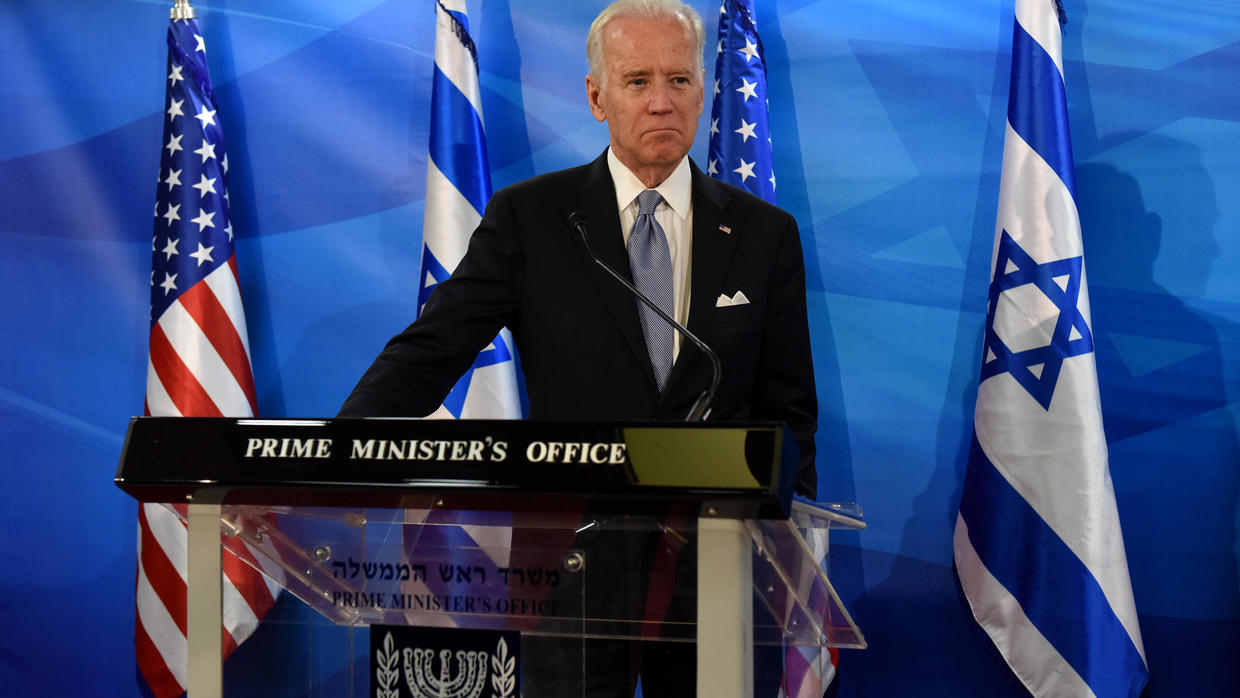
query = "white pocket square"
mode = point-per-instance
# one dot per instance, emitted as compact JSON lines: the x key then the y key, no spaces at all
{"x":723,"y":301}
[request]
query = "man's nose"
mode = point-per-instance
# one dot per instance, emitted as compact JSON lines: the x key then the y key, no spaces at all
{"x":660,"y":100}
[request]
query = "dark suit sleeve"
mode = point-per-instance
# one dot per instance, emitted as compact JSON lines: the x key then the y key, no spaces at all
{"x":784,"y":389}
{"x":418,"y":367}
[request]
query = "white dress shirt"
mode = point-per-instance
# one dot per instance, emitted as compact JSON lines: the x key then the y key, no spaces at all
{"x":675,"y":216}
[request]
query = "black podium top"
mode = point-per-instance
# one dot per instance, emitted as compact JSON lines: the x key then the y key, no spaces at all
{"x":745,"y":470}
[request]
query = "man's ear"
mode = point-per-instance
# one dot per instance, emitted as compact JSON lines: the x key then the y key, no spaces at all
{"x":593,"y":90}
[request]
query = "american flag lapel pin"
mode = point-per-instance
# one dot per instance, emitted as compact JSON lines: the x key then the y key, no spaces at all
{"x":726,"y":230}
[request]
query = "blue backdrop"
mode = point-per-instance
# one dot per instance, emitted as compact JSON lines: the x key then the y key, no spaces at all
{"x":887,"y":121}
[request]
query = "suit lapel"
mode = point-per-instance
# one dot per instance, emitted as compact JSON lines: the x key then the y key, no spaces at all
{"x":713,"y":250}
{"x":598,"y":205}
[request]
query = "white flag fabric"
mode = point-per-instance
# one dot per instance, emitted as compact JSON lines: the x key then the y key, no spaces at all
{"x":1038,"y":546}
{"x":458,"y":186}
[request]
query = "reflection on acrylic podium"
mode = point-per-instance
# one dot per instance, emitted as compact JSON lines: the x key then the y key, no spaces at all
{"x":499,"y":558}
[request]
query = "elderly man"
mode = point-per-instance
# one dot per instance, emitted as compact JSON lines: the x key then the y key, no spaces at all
{"x":589,"y":350}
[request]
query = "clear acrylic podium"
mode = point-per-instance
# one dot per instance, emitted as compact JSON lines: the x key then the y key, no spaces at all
{"x":577,"y":538}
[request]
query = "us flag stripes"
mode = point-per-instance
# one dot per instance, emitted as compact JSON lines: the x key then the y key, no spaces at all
{"x":1038,"y":546}
{"x":199,"y":362}
{"x":809,"y":671}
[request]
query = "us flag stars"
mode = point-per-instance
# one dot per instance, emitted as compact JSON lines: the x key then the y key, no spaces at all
{"x":169,"y":284}
{"x":193,"y":235}
{"x":204,"y":186}
{"x":740,"y":150}
{"x":202,"y":254}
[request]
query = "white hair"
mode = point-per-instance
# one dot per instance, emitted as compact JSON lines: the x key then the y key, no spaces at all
{"x":641,"y":9}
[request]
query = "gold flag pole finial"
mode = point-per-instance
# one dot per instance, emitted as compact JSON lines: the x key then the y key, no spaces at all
{"x":181,"y":9}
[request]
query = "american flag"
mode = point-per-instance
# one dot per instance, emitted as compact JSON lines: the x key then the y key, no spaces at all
{"x":741,"y":153}
{"x":809,"y":671}
{"x":740,"y":150}
{"x":1038,"y":547}
{"x":199,"y":361}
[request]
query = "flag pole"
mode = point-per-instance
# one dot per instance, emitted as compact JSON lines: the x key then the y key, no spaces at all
{"x":204,"y":605}
{"x":204,"y":611}
{"x":181,"y":9}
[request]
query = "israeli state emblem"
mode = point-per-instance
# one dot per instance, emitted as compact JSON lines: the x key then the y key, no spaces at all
{"x":1034,"y":319}
{"x":411,"y":662}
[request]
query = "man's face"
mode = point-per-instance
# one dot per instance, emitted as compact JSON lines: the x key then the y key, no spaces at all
{"x":650,"y":95}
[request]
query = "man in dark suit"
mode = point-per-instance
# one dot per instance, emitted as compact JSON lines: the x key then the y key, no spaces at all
{"x":725,"y":262}
{"x":737,"y":270}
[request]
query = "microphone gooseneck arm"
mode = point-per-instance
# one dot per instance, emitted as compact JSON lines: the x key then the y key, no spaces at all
{"x":702,"y":406}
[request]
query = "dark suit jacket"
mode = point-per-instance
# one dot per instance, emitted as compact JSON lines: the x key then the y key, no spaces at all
{"x":577,"y":330}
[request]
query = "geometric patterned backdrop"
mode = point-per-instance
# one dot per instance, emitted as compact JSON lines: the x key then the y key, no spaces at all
{"x":887,"y":124}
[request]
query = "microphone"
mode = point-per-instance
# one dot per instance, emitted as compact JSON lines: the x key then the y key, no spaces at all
{"x":702,"y":406}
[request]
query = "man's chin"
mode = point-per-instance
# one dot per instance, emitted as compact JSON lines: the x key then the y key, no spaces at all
{"x":664,"y":154}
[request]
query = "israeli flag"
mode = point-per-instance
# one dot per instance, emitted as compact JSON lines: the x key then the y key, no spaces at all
{"x":1038,"y":546}
{"x":458,"y":186}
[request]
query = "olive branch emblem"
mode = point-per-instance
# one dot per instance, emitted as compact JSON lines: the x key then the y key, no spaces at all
{"x":503,"y":672}
{"x":386,"y":673}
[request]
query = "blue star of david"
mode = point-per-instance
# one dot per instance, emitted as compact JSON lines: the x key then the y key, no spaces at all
{"x":1015,"y":268}
{"x":496,"y":352}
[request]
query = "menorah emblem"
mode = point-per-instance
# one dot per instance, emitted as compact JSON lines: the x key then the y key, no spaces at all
{"x":468,"y":681}
{"x":423,"y":681}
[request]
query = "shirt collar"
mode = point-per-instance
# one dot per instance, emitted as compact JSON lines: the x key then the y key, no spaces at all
{"x":676,"y":190}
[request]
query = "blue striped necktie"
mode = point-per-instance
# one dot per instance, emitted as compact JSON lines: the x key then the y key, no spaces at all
{"x":651,"y":264}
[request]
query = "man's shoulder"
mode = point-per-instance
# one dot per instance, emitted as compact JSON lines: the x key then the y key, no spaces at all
{"x":730,"y":197}
{"x":567,"y":180}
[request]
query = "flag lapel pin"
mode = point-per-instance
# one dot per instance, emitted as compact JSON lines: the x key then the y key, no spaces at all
{"x":726,"y":230}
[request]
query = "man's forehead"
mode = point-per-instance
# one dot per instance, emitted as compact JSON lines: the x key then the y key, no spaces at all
{"x":631,"y":47}
{"x":640,"y":29}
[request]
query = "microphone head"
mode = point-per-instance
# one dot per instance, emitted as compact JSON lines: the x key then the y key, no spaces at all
{"x":576,"y":221}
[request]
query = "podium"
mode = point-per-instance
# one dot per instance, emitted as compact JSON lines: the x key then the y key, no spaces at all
{"x":567,"y":541}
